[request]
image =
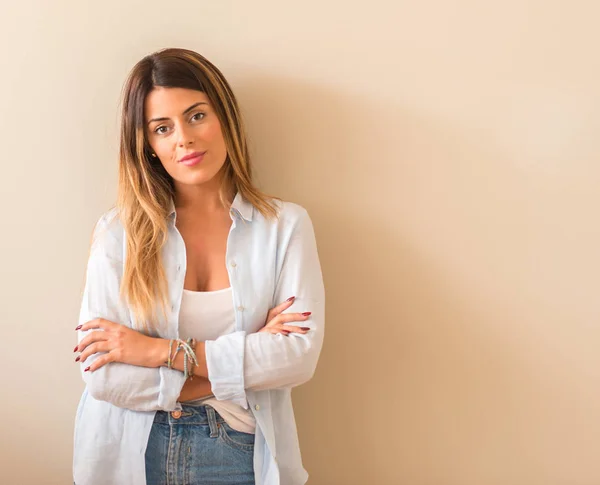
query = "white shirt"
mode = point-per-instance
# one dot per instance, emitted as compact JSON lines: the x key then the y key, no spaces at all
{"x":206,"y":315}
{"x":268,"y":261}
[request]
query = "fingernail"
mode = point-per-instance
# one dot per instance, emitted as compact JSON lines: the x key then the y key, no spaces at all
{"x":306,"y":314}
{"x":305,"y":328}
{"x":86,"y":369}
{"x":78,"y":327}
{"x":77,"y":359}
{"x":290,"y":298}
{"x":75,"y":349}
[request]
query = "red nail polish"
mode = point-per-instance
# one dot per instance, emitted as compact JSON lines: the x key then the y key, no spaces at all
{"x":290,"y":298}
{"x":306,"y":314}
{"x":78,"y":327}
{"x":86,"y":369}
{"x":77,"y":359}
{"x":75,"y":349}
{"x":305,"y":328}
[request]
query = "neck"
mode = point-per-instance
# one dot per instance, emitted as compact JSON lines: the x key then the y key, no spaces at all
{"x":202,"y":199}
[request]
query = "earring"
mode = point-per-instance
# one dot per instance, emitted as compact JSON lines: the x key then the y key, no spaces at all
{"x":154,"y":155}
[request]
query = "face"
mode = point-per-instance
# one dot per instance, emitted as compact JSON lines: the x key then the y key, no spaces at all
{"x":180,"y":122}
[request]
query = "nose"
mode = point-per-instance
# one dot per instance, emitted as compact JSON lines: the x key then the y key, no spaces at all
{"x":185,"y":137}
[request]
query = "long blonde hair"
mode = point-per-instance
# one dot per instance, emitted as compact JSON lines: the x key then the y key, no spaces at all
{"x":146,"y":189}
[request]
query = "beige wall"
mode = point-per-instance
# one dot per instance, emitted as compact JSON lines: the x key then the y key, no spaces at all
{"x":448,"y":154}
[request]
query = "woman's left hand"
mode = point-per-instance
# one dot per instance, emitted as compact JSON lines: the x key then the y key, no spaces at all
{"x":121,"y":344}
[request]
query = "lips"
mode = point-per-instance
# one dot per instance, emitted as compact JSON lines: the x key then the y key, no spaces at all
{"x":192,"y":158}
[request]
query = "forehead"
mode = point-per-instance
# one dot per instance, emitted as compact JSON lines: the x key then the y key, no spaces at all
{"x":169,"y":102}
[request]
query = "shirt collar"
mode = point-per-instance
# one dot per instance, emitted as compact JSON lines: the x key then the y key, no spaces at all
{"x":239,"y":206}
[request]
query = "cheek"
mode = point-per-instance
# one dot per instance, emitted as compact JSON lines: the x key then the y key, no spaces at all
{"x":212,"y":133}
{"x":165,"y":148}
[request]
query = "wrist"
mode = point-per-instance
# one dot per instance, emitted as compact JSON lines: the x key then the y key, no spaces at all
{"x":160,"y":352}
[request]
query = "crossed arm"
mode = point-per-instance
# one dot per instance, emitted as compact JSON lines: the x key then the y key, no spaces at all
{"x":122,"y":344}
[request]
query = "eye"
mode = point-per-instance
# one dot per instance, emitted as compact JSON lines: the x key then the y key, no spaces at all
{"x":199,"y":113}
{"x":159,"y":132}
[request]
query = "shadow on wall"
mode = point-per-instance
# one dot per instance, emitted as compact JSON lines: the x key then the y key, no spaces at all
{"x":407,"y":210}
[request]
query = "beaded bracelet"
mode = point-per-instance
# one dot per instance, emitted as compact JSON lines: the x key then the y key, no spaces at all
{"x":189,"y":348}
{"x":169,"y":359}
{"x":175,"y":354}
{"x":193,"y":359}
{"x":192,"y":343}
{"x":185,"y":363}
{"x":190,"y":357}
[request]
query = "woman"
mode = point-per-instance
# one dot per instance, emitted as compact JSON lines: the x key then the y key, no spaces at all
{"x":204,"y":301}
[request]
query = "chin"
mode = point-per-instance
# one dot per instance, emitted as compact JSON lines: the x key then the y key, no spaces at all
{"x":197,"y":178}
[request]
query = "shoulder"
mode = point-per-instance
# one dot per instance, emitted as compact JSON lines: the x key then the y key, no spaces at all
{"x":108,"y":231}
{"x":293,"y":220}
{"x":290,"y":213}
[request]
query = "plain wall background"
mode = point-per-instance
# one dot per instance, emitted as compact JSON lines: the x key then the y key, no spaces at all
{"x":448,"y":155}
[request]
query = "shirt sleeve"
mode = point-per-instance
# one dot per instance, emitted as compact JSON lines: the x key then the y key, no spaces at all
{"x":238,"y":361}
{"x":126,"y":386}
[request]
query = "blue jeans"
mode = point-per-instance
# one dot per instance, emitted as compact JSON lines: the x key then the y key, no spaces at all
{"x":197,"y":447}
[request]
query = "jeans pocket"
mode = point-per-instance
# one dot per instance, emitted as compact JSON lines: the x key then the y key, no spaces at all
{"x":237,"y":439}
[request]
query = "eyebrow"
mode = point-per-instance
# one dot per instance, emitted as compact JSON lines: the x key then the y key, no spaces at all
{"x":184,"y":113}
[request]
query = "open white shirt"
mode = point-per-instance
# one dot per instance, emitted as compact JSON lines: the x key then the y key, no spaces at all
{"x":268,"y":261}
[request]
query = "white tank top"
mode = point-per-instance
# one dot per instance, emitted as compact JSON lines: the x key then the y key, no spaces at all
{"x":206,"y":315}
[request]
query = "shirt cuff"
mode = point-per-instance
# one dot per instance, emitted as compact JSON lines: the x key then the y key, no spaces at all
{"x":225,"y":364}
{"x":171,"y":383}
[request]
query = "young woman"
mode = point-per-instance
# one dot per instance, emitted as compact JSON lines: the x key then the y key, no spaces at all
{"x":203,"y":304}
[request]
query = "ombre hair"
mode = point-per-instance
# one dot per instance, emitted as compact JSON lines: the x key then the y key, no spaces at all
{"x":146,"y":190}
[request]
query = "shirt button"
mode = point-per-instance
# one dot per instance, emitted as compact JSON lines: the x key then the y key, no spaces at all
{"x":176,"y":414}
{"x":178,"y":267}
{"x":257,"y":407}
{"x":233,"y":264}
{"x":241,"y":308}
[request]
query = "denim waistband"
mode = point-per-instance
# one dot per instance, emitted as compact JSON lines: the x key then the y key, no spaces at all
{"x":191,"y":413}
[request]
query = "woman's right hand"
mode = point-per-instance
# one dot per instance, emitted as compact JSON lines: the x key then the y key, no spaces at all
{"x":276,"y":320}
